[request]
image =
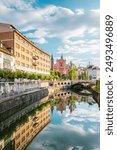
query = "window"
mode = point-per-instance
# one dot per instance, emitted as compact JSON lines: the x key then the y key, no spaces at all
{"x":22,"y":64}
{"x":17,"y":62}
{"x":27,"y":65}
{"x":23,"y":41}
{"x":27,"y":51}
{"x":17,"y":46}
{"x":17,"y":37}
{"x":18,"y":136}
{"x":27,"y":58}
{"x":31,"y":130}
{"x":18,"y":144}
{"x":31,"y":53}
{"x":23,"y":138}
{"x":27,"y":134}
{"x":23,"y":49}
{"x":17,"y":54}
{"x":27,"y":127}
{"x":23,"y":131}
{"x":22,"y":56}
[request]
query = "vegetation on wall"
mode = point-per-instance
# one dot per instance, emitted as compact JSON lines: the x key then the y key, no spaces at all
{"x":19,"y":74}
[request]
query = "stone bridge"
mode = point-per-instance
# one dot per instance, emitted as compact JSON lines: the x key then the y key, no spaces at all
{"x":83,"y":82}
{"x":70,"y":83}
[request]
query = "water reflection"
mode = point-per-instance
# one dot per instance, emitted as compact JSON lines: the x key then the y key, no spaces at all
{"x":22,"y":132}
{"x":74,"y":125}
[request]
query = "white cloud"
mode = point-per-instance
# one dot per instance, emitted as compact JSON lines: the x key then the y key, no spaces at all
{"x":95,"y":11}
{"x":52,"y":20}
{"x":80,"y":11}
{"x":86,"y":43}
{"x":40,"y":40}
{"x":71,"y":134}
{"x":80,"y":46}
{"x":18,"y":4}
{"x":78,"y":29}
{"x":76,"y":147}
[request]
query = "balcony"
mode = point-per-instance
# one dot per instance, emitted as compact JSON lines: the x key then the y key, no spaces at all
{"x":34,"y":64}
{"x":35,"y":119}
{"x":35,"y":57}
{"x":35,"y":125}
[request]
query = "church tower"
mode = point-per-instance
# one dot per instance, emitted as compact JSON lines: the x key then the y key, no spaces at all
{"x":61,"y":56}
{"x":52,"y":62}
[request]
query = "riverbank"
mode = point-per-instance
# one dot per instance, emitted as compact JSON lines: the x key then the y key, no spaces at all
{"x":12,"y":104}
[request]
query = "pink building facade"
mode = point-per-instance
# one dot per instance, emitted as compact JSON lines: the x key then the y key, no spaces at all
{"x":60,"y":66}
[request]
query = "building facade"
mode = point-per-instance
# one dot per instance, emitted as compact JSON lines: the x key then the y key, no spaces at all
{"x":27,"y":56}
{"x":26,"y":130}
{"x":60,"y":66}
{"x":6,"y":58}
{"x":93,"y":72}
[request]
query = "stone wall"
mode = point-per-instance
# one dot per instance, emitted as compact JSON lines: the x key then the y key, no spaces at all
{"x":13,"y":88}
{"x":16,"y":116}
{"x":13,"y":104}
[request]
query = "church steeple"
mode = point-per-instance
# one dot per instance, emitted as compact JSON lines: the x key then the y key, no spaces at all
{"x":52,"y":59}
{"x":61,"y":56}
{"x":52,"y":62}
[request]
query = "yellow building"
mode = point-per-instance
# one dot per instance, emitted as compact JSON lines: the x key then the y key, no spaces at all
{"x":25,"y":133}
{"x":27,"y":56}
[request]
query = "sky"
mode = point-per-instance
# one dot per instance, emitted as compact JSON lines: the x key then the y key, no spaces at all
{"x":68,"y":27}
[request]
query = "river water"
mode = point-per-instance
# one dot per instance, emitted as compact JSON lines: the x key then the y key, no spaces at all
{"x":67,"y":122}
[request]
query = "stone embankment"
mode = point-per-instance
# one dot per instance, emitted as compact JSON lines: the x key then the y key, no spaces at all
{"x":12,"y":104}
{"x":18,"y":95}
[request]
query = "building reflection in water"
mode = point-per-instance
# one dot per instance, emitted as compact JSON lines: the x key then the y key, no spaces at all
{"x":18,"y":137}
{"x":68,"y":98}
{"x":21,"y":128}
{"x":72,"y":115}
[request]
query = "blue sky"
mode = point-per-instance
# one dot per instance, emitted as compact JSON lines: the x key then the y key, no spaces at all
{"x":68,"y":27}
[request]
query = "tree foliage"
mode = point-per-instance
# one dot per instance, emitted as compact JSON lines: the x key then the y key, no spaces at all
{"x":97,"y":88}
{"x":73,"y":72}
{"x":18,"y":74}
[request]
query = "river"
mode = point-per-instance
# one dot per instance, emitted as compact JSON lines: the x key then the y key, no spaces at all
{"x":63,"y":121}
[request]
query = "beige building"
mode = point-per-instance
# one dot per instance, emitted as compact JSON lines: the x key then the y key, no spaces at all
{"x":6,"y":58}
{"x":26,"y":132}
{"x":27,"y":56}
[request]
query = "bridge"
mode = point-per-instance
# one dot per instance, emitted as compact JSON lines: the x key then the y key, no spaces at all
{"x":83,"y":82}
{"x":70,"y":83}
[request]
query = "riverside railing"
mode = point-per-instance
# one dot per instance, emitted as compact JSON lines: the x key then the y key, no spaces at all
{"x":13,"y":88}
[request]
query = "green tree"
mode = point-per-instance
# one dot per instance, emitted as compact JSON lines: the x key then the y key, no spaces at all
{"x":55,"y":74}
{"x":73,"y":72}
{"x":97,"y":88}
